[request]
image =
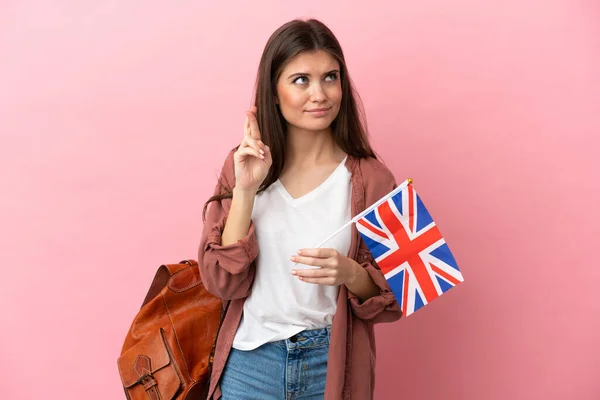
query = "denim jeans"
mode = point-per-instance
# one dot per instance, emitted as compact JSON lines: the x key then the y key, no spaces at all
{"x":294,"y":368}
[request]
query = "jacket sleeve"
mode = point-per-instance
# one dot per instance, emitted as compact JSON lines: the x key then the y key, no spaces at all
{"x":384,"y":306}
{"x":226,"y":271}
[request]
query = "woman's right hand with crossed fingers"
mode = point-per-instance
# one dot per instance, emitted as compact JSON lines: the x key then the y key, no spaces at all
{"x":252,"y":159}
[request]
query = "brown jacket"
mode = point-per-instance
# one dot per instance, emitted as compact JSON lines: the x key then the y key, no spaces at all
{"x":228,"y":272}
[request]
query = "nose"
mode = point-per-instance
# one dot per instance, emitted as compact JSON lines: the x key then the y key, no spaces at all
{"x":317,"y":94}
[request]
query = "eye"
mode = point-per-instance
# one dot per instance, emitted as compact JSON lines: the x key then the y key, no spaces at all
{"x":296,"y":81}
{"x":331,"y":77}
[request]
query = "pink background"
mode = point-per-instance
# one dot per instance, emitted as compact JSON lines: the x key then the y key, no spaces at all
{"x":115,"y":117}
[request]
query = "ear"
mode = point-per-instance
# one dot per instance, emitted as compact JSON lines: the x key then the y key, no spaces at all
{"x":276,"y":100}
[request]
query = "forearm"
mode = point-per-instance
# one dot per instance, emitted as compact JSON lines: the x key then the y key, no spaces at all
{"x":238,"y":219}
{"x":362,"y":285}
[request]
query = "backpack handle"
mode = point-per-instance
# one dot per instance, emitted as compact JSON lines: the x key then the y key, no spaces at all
{"x":163,"y":274}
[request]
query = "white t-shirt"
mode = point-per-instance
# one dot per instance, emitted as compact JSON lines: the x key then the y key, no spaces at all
{"x":279,"y":304}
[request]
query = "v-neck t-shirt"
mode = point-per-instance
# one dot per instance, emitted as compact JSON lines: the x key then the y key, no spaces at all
{"x":279,"y":304}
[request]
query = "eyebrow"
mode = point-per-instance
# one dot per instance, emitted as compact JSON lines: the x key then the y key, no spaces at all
{"x":307,"y":74}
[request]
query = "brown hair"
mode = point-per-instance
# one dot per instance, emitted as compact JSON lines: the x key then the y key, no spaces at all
{"x":349,"y":129}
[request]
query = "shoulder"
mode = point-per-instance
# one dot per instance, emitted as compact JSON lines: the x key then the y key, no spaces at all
{"x":376,"y":176}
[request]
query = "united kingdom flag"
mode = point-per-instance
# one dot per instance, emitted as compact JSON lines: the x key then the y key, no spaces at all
{"x":409,"y":248}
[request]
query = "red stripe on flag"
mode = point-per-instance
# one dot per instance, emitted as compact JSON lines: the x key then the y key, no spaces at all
{"x":374,"y":230}
{"x":423,"y":277}
{"x":393,"y":225}
{"x":409,"y":250}
{"x":405,"y":294}
{"x":444,"y":275}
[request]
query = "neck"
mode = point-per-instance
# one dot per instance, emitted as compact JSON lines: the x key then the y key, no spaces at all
{"x":309,"y":148}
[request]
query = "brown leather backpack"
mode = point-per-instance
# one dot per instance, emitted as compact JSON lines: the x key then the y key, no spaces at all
{"x":169,"y":348}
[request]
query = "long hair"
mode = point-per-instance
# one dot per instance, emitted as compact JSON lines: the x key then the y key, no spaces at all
{"x":349,"y":129}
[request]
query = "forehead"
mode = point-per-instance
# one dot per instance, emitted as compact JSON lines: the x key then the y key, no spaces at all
{"x":316,"y":62}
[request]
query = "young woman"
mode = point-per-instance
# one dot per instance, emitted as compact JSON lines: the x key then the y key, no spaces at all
{"x":299,"y":324}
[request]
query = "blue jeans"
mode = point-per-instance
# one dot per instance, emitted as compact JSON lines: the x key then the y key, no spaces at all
{"x":294,"y":368}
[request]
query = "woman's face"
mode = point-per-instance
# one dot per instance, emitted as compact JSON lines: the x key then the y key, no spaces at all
{"x":309,"y":91}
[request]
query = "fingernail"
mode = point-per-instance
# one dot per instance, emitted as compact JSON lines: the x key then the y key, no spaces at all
{"x":261,"y":151}
{"x":300,"y":251}
{"x":294,"y":272}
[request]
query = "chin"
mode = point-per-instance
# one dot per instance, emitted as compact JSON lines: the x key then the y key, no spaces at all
{"x":315,"y":125}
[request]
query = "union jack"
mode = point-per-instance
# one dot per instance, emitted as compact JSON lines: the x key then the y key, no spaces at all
{"x":408,"y":248}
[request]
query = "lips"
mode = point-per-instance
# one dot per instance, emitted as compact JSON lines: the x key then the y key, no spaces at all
{"x":318,"y":112}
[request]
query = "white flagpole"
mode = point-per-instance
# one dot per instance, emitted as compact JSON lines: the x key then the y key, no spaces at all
{"x":369,"y":209}
{"x":335,"y":233}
